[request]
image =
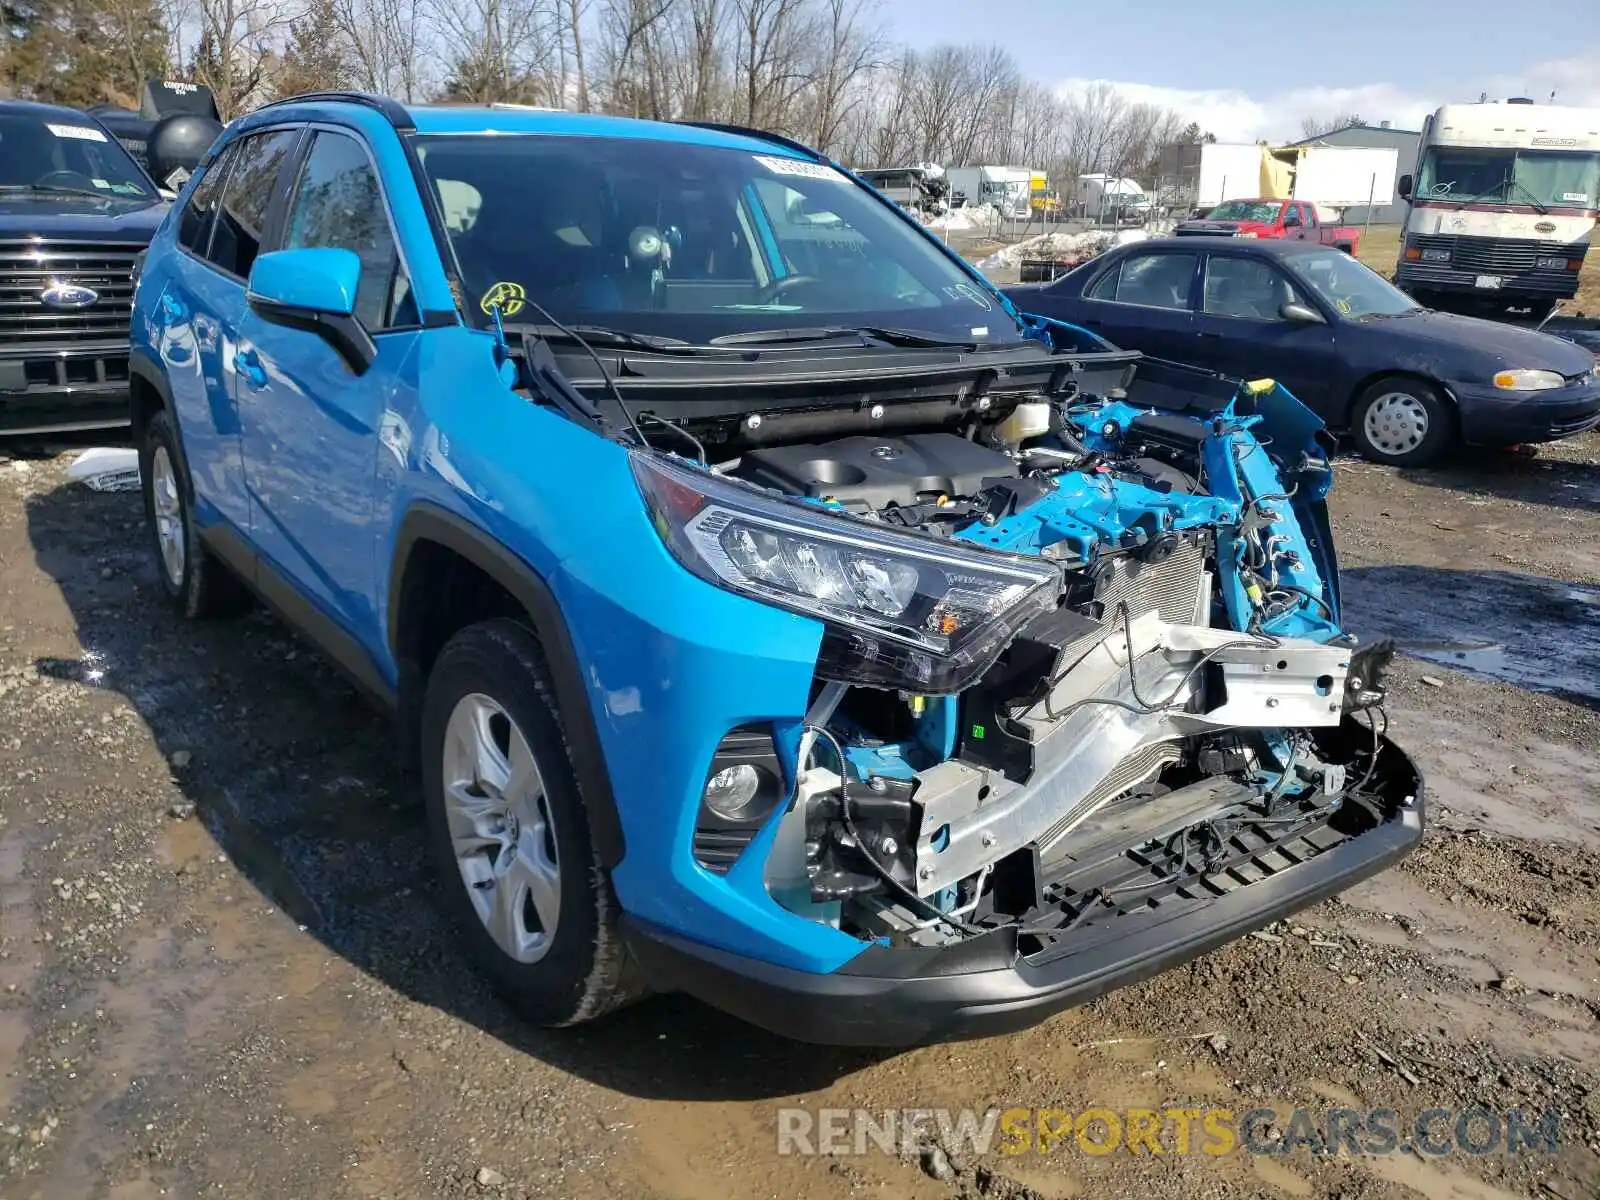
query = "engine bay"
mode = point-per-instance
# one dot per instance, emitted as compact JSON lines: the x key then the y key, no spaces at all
{"x":1180,"y":707}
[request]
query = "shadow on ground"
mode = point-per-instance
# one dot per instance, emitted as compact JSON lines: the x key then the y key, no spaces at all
{"x":1528,"y":630}
{"x":297,"y":779}
{"x":1515,"y":475}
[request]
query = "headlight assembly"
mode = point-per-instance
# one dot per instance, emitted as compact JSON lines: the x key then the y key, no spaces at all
{"x":899,"y":610}
{"x":1528,"y":380}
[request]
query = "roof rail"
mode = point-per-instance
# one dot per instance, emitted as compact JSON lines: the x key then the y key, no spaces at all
{"x":391,"y":108}
{"x":764,"y":135}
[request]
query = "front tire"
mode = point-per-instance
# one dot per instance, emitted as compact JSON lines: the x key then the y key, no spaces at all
{"x":195,"y":582}
{"x":1403,"y":423}
{"x":510,"y":831}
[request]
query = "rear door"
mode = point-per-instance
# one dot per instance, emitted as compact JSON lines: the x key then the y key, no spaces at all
{"x":200,"y":309}
{"x":1142,"y":301}
{"x":1241,"y":331}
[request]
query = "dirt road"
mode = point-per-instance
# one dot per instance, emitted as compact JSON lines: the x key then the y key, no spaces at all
{"x":221,"y":973}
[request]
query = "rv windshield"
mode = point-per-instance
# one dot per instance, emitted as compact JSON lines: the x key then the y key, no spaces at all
{"x":676,"y":240}
{"x":1549,"y":178}
{"x":1245,"y":210}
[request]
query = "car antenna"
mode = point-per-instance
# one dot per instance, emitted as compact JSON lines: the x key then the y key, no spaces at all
{"x":611,"y":383}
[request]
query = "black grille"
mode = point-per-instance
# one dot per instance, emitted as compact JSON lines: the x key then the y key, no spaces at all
{"x":28,"y":268}
{"x":1503,"y":256}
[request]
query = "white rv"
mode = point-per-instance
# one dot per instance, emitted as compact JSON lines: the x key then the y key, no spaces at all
{"x":1503,"y":201}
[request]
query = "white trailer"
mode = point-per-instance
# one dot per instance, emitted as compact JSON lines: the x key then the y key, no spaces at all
{"x":1110,"y":198}
{"x":1009,"y":189}
{"x":1345,"y":176}
{"x":1229,"y":171}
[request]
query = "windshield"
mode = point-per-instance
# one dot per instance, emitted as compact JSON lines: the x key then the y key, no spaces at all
{"x":1245,"y":210}
{"x":1551,"y":178}
{"x":690,"y":242}
{"x":68,"y":153}
{"x":1353,"y":289}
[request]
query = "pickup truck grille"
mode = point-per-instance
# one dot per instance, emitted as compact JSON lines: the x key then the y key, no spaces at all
{"x":28,"y":268}
{"x":1500,"y":256}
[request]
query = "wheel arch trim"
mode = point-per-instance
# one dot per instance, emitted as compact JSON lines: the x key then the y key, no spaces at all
{"x":426,"y":522}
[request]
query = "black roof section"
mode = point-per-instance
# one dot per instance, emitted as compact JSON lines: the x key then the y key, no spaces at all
{"x":393,"y":111}
{"x":1265,"y":247}
{"x":765,"y":135}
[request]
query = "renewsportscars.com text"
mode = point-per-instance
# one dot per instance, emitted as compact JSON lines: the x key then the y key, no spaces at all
{"x":1212,"y":1131}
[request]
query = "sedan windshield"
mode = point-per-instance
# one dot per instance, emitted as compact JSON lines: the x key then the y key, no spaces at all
{"x":1244,"y":210}
{"x":675,"y":240}
{"x":1354,"y":290}
{"x":49,"y":153}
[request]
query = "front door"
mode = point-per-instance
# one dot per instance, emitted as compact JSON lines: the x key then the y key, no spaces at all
{"x":309,"y":421}
{"x":1242,"y":330}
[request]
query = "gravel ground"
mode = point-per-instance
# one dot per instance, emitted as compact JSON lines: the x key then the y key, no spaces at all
{"x":221,"y":972}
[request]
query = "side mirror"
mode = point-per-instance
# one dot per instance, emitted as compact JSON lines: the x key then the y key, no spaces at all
{"x":1405,"y":187}
{"x":1301,"y":314}
{"x":314,"y":289}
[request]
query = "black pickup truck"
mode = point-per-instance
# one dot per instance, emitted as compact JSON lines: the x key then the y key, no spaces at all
{"x":75,"y":212}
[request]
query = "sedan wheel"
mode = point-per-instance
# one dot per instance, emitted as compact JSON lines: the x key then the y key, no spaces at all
{"x":501,"y":828}
{"x":1403,"y":423}
{"x":1396,"y":423}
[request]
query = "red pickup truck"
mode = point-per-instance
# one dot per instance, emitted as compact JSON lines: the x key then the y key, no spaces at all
{"x":1284,"y":219}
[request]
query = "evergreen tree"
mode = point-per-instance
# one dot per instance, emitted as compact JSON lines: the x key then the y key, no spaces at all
{"x":318,"y":56}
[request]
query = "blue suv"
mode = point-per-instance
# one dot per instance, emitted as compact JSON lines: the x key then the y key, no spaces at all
{"x":771,"y":611}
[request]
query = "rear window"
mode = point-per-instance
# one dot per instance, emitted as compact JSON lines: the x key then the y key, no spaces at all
{"x":1151,"y":280}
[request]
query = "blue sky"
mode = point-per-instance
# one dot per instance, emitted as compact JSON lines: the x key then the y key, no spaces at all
{"x":1254,"y":70}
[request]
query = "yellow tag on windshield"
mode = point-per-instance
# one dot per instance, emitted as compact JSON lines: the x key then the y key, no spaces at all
{"x":508,"y":297}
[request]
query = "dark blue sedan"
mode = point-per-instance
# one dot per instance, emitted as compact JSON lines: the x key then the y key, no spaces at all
{"x":1405,"y":381}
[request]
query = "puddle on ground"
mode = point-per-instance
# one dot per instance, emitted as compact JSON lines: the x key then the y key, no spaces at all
{"x":1526,"y":630}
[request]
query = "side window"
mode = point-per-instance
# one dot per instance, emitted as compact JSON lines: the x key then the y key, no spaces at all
{"x":1291,"y":216}
{"x":199,"y":214}
{"x":338,"y":203}
{"x":1246,"y":287}
{"x":242,"y":216}
{"x":1104,"y":288}
{"x":1154,"y":280}
{"x":1308,"y":213}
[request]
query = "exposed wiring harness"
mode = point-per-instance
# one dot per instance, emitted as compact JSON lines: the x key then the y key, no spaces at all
{"x":936,"y":914}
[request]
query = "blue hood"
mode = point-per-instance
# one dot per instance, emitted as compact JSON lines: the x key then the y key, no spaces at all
{"x":79,"y":219}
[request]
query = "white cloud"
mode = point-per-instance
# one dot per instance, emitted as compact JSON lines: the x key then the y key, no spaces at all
{"x":1237,"y":116}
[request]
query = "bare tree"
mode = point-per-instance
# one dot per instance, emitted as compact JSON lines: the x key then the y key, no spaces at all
{"x":1315,"y":127}
{"x":238,"y":48}
{"x":497,"y":49}
{"x":387,"y":44}
{"x":769,"y":58}
{"x":849,"y":48}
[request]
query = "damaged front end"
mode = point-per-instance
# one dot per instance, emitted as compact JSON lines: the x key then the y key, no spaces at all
{"x":1083,"y":705}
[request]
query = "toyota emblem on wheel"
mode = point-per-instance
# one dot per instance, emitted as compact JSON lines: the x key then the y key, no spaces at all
{"x":68,"y":295}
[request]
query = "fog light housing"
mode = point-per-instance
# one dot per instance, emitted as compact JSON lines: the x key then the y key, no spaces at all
{"x":733,"y":791}
{"x":743,"y":786}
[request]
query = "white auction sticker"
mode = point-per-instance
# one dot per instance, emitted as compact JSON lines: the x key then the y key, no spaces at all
{"x":796,"y":166}
{"x":81,"y":132}
{"x":1580,"y":197}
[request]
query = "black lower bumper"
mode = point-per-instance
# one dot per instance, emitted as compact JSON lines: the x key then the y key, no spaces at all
{"x":982,"y":987}
{"x":63,"y":387}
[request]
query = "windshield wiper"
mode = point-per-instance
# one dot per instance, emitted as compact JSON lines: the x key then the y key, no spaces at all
{"x":601,"y":335}
{"x":56,"y":188}
{"x":1533,"y":196}
{"x":894,"y":337}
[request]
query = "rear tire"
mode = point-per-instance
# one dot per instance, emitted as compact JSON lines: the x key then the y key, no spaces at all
{"x":197,"y":584}
{"x":1403,"y":423}
{"x":510,"y":831}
